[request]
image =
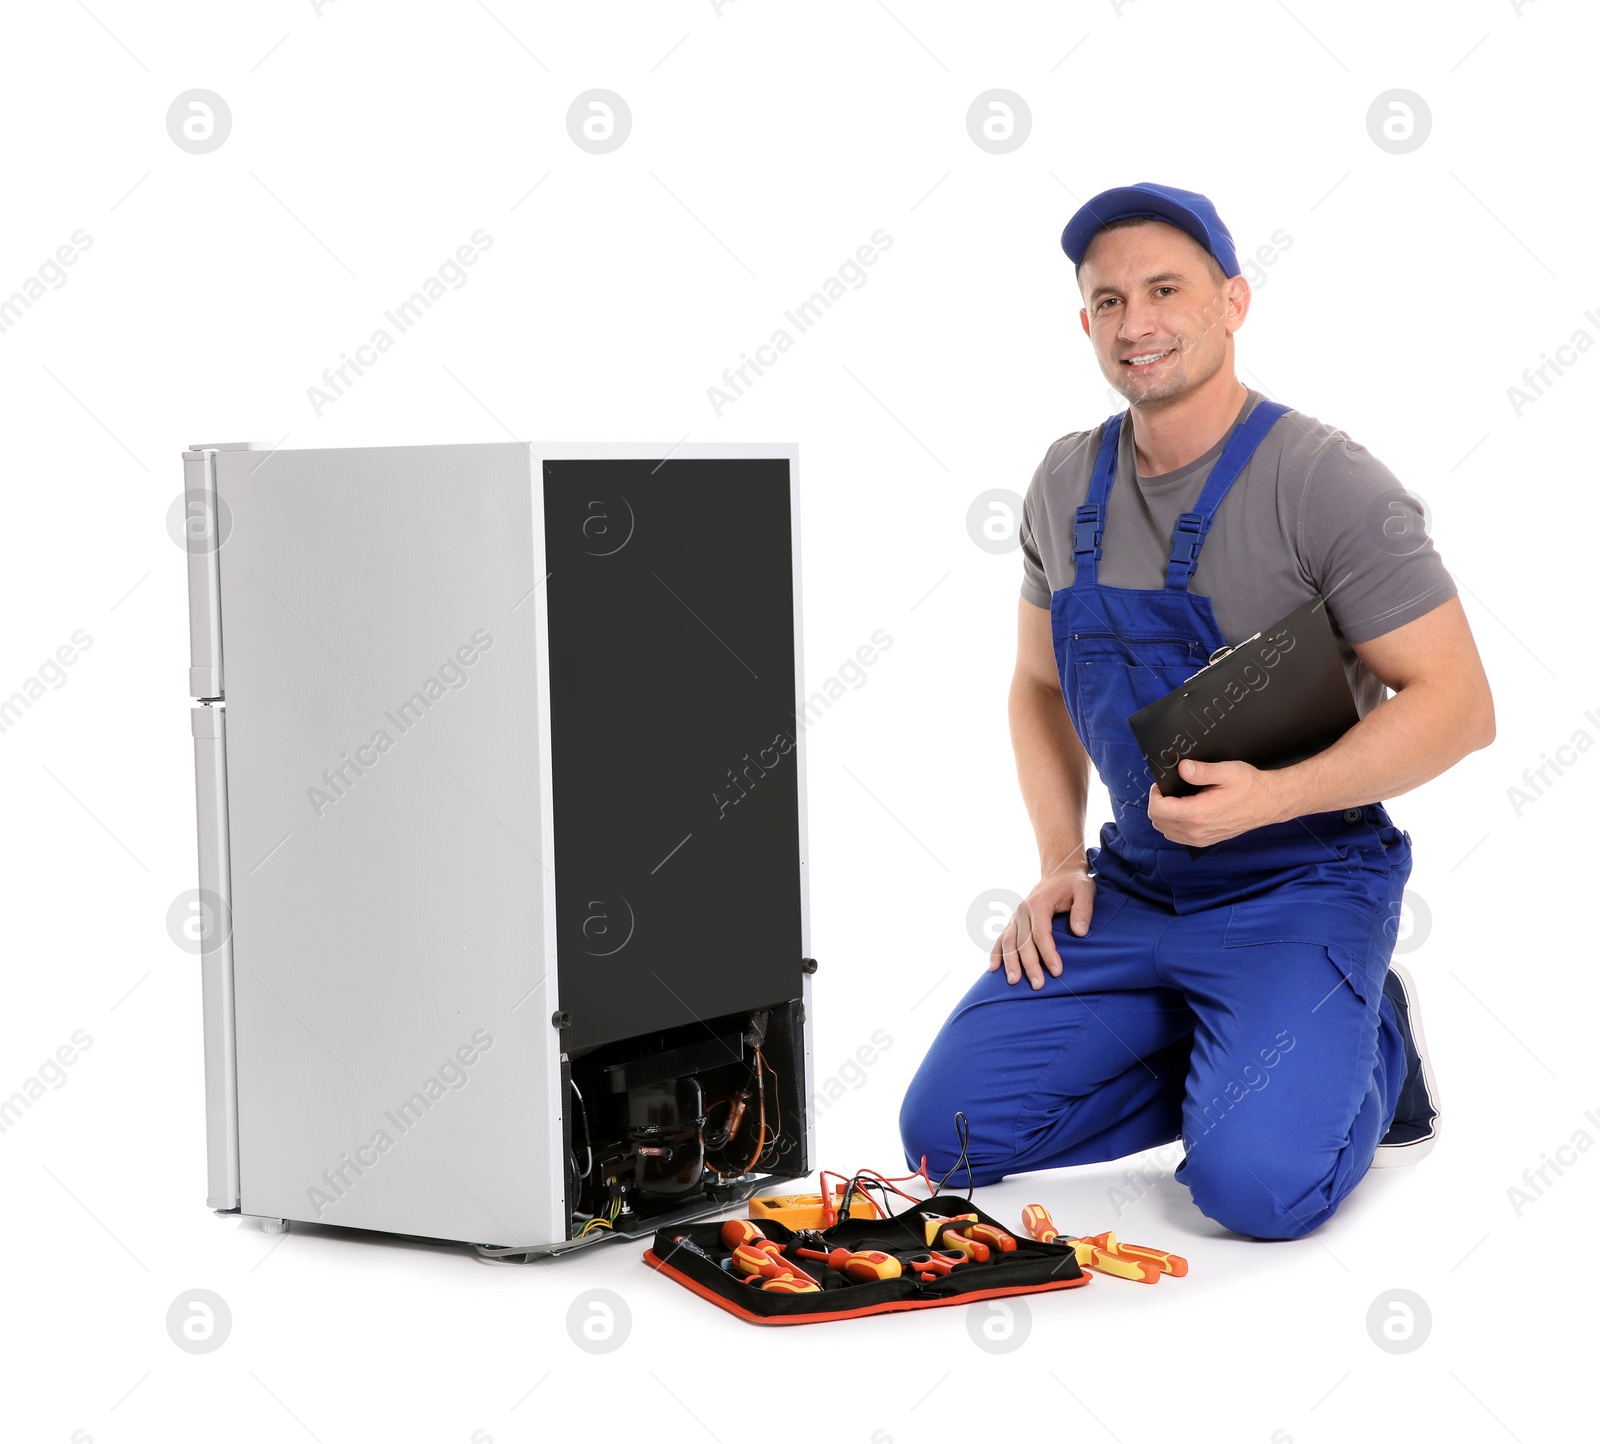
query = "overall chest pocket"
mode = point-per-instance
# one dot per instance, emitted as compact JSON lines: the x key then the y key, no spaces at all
{"x":1114,"y":676}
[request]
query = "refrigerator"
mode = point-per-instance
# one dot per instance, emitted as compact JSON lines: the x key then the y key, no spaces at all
{"x":501,"y":816}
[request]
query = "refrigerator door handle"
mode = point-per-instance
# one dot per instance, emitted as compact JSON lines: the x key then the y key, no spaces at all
{"x":205,"y":529}
{"x":216,"y":958}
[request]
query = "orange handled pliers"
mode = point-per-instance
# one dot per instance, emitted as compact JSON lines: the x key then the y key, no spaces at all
{"x":934,"y":1264}
{"x":1103,"y":1253}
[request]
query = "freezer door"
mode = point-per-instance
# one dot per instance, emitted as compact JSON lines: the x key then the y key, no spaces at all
{"x":397,"y":1067}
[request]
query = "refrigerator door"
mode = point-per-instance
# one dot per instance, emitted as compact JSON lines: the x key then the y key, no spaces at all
{"x":387,"y":787}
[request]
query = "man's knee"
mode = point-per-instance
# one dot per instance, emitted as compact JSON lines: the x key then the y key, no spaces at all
{"x":927,"y":1123}
{"x":929,"y":1128}
{"x":1257,"y":1187}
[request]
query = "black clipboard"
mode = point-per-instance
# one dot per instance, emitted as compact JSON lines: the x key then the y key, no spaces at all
{"x":1273,"y":700}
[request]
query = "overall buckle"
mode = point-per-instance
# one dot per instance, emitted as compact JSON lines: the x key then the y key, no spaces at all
{"x":1087,"y":531}
{"x":1187,"y":536}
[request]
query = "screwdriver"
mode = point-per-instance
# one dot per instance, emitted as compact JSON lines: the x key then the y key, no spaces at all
{"x":745,"y":1238}
{"x":738,"y":1231}
{"x":1036,"y":1223}
{"x":756,"y":1263}
{"x":683,"y":1241}
{"x":785,"y":1283}
{"x":789,"y":1284}
{"x":766,"y":1273}
{"x":865,"y":1266}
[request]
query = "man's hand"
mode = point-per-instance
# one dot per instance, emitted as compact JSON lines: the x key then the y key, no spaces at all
{"x":1027,"y":945}
{"x":1236,"y":798}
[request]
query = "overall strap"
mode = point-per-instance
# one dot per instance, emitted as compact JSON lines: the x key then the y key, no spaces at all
{"x":1089,"y":524}
{"x":1190,"y":533}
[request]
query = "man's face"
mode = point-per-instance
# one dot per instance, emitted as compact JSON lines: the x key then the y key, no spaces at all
{"x":1159,"y":319}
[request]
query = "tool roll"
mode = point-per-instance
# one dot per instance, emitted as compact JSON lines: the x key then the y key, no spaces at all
{"x":698,"y":1257}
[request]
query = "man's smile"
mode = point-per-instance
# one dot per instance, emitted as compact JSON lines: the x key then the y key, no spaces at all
{"x":1148,"y":358}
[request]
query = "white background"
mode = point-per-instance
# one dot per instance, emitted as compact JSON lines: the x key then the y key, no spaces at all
{"x":768,"y":142}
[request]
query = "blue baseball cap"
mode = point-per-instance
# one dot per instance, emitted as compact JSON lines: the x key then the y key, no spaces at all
{"x":1187,"y":210}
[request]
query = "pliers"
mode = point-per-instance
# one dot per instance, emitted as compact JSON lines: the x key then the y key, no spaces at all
{"x":1103,"y":1252}
{"x":934,"y":1264}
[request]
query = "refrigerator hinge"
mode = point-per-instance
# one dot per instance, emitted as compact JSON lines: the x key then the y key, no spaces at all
{"x":208,"y":725}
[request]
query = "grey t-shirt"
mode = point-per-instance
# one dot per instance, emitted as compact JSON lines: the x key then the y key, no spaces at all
{"x":1313,"y":512}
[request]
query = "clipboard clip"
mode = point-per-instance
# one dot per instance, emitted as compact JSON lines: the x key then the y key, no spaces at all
{"x":1220,"y":653}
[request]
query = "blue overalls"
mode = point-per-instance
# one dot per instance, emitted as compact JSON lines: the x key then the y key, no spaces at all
{"x":1232,"y":999}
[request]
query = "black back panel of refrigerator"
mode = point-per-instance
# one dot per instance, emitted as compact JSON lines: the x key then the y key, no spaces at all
{"x":673,"y":741}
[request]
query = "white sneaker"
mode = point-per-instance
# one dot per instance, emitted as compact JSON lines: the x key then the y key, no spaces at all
{"x":1415,"y":1128}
